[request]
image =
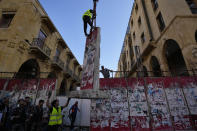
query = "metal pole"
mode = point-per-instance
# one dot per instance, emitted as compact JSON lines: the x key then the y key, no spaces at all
{"x":94,"y":20}
{"x":37,"y":88}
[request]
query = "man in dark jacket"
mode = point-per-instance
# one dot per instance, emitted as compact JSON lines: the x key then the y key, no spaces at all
{"x":105,"y":72}
{"x":19,"y":116}
{"x":38,"y":116}
{"x":73,"y":113}
{"x":5,"y":113}
{"x":29,"y":110}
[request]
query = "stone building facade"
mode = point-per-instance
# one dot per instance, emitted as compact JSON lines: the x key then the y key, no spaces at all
{"x":161,"y":39}
{"x":32,"y":47}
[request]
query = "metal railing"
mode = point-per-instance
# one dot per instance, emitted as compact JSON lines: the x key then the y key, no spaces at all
{"x":37,"y":42}
{"x":68,"y":70}
{"x":192,"y":5}
{"x":71,"y":73}
{"x":126,"y":74}
{"x":194,"y":10}
{"x":23,"y":75}
{"x":76,"y":77}
{"x":58,"y":61}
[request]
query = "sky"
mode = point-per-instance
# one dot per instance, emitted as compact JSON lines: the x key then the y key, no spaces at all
{"x":112,"y":18}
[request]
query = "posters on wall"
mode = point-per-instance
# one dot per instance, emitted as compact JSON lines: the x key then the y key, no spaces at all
{"x":21,"y":88}
{"x":111,"y":114}
{"x":138,"y":106}
{"x":158,"y":105}
{"x":177,"y":104}
{"x":120,"y":109}
{"x":189,"y":85}
{"x":150,"y":103}
{"x":36,"y":89}
{"x":100,"y":115}
{"x":46,"y":89}
{"x":88,"y":62}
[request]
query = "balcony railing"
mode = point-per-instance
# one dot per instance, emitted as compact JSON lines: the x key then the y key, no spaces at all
{"x":192,"y":6}
{"x":194,"y":10}
{"x":38,"y":46}
{"x":67,"y":70}
{"x":131,"y":52}
{"x":76,"y":77}
{"x":57,"y":62}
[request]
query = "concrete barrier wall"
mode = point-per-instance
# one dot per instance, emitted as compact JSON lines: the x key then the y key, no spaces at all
{"x":145,"y":104}
{"x":36,"y":89}
{"x":82,"y":118}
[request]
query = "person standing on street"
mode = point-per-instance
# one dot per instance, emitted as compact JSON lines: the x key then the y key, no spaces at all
{"x":19,"y":116}
{"x":73,"y":113}
{"x":4,"y":114}
{"x":29,"y":110}
{"x":55,"y":119}
{"x":38,"y":116}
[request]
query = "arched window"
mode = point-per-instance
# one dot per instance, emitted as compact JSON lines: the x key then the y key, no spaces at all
{"x":155,"y":67}
{"x":62,"y":90}
{"x":52,"y":75}
{"x":145,"y":72}
{"x":29,"y":70}
{"x":174,"y":57}
{"x":71,"y":88}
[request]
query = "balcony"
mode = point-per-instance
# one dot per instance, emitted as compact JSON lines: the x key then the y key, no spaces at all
{"x":62,"y":43}
{"x":194,"y":10}
{"x":133,"y":67}
{"x":148,"y":49}
{"x":46,"y":21}
{"x":76,"y":77}
{"x":69,"y":73}
{"x":58,"y":63}
{"x":131,"y":52}
{"x":192,"y":6}
{"x":39,"y":48}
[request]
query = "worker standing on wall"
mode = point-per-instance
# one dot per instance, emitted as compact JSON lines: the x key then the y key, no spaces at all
{"x":87,"y":19}
{"x":105,"y":72}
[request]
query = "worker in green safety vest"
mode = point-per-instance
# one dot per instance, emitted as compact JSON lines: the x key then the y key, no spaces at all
{"x":55,"y":119}
{"x":87,"y":19}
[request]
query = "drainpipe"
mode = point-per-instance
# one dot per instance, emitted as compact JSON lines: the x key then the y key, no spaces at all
{"x":147,"y":20}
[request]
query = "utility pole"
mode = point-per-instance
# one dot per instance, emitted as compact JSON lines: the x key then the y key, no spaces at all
{"x":95,"y":3}
{"x":94,"y":15}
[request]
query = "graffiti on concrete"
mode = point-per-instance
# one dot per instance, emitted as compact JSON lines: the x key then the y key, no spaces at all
{"x":177,"y":104}
{"x":190,"y":91}
{"x":168,"y":103}
{"x":36,"y":89}
{"x":138,"y":105}
{"x":137,"y":99}
{"x":89,"y":61}
{"x":158,"y":104}
{"x":120,"y":109}
{"x":100,"y":114}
